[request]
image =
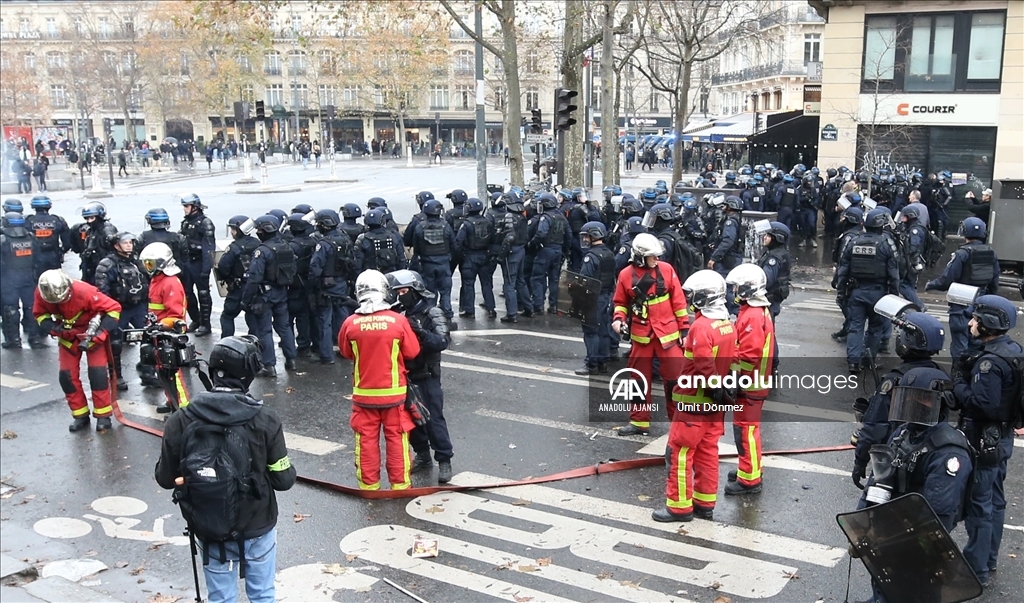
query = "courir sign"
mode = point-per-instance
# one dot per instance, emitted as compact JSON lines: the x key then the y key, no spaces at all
{"x":930,"y":109}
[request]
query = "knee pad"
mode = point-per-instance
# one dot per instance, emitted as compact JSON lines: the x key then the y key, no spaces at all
{"x":66,"y":384}
{"x":98,"y":378}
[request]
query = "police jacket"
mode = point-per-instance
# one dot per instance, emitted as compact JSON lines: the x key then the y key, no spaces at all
{"x":95,"y":242}
{"x":235,"y":261}
{"x":271,"y":271}
{"x":552,"y":232}
{"x":914,"y":238}
{"x":379,"y":249}
{"x":514,"y":232}
{"x":730,"y":239}
{"x":988,"y":394}
{"x":69,"y":320}
{"x":475,"y":236}
{"x":433,"y":237}
{"x":624,"y":252}
{"x":651,"y":301}
{"x":709,"y":349}
{"x":302,"y":246}
{"x":975,"y":264}
{"x":431,"y":328}
{"x":271,"y":468}
{"x":17,"y":254}
{"x":754,"y":198}
{"x":352,"y":228}
{"x":775,"y":261}
{"x":808,"y":197}
{"x":599,"y":264}
{"x":785,"y":196}
{"x":455,"y":216}
{"x":869,"y":260}
{"x":173,"y":240}
{"x":380,"y":344}
{"x":50,"y":231}
{"x":122,"y":278}
{"x":331,"y":264}
{"x":843,"y":241}
{"x":200,"y":239}
{"x":410,"y":228}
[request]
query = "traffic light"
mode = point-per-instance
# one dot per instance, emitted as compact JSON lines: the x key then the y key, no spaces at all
{"x":564,"y":107}
{"x":106,"y":126}
{"x":261,"y":112}
{"x":330,"y":111}
{"x":537,"y":125}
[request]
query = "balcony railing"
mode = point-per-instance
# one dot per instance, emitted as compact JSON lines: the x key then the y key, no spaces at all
{"x":272,"y":70}
{"x":760,"y":72}
{"x":463,"y":71}
{"x":298,"y":70}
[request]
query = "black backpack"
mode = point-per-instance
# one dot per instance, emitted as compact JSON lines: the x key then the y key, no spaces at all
{"x":217,"y":468}
{"x":686,"y":258}
{"x":934,"y":249}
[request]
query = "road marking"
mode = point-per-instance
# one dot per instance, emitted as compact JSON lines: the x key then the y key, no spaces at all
{"x":517,"y":375}
{"x":314,"y":446}
{"x":829,"y":305}
{"x":523,"y":365}
{"x":733,"y":573}
{"x":1018,"y":528}
{"x":634,"y":515}
{"x":657,"y":448}
{"x":19,"y":383}
{"x":562,"y":425}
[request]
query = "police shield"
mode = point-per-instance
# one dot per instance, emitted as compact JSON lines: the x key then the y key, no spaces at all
{"x":908,"y":553}
{"x":577,"y":297}
{"x":753,"y":245}
{"x":222,"y":286}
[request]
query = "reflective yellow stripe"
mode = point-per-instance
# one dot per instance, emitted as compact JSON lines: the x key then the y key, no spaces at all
{"x":697,"y":399}
{"x":65,"y":343}
{"x":669,"y":337}
{"x":40,"y":319}
{"x":359,"y":468}
{"x":155,"y":306}
{"x":394,"y":365}
{"x":640,"y":338}
{"x":657,"y":300}
{"x":282,"y":464}
{"x":688,"y":354}
{"x":406,"y":465}
{"x":680,"y":313}
{"x":355,"y":365}
{"x":100,"y":411}
{"x":746,"y":366}
{"x":382,"y":391}
{"x":641,"y":424}
{"x":682,"y":502}
{"x":115,"y":315}
{"x":81,"y":411}
{"x":705,"y":497}
{"x":764,"y":354}
{"x":179,"y":385}
{"x":755,"y":454}
{"x":622,"y":309}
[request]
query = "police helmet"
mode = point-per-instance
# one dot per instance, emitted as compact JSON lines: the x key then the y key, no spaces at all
{"x":236,"y":357}
{"x":302,"y":208}
{"x":659,"y":211}
{"x":517,"y":191}
{"x":158,"y":219}
{"x":788,"y":178}
{"x":94,"y":210}
{"x":800,"y":168}
{"x":497,"y":200}
{"x":632,"y":206}
{"x":375,"y":202}
{"x":661,"y":186}
{"x":547,"y":201}
{"x":267,"y":224}
{"x":645,"y":245}
{"x":474,"y":205}
{"x":748,"y":280}
{"x":612,"y":190}
{"x":458,"y":196}
{"x":746,"y":171}
{"x":635,"y":225}
{"x":832,"y":172}
{"x":423,"y":196}
{"x":730,"y":176}
{"x":973,"y":228}
{"x":919,"y":397}
{"x":809,"y":179}
{"x":54,"y":286}
{"x":351,"y":210}
{"x":690,"y":204}
{"x":877,"y":219}
{"x":564,"y":195}
{"x":13,"y":204}
{"x":760,"y":169}
{"x":815,"y":170}
{"x":733,"y":203}
{"x":592,"y":231}
{"x":242,"y":224}
{"x":912,"y":213}
{"x":995,"y":313}
{"x":901,"y":178}
{"x":14,"y":218}
{"x":916,"y":178}
{"x":158,"y":257}
{"x":919,"y":332}
{"x":282,"y":218}
{"x":680,"y":187}
{"x":374,"y":217}
{"x":190,"y":199}
{"x":779,"y":232}
{"x":853,"y":215}
{"x":297,"y":223}
{"x":675,"y":200}
{"x":408,"y":279}
{"x":327,"y":219}
{"x":758,"y":179}
{"x":124,"y":237}
{"x":705,"y":288}
{"x":41,"y":202}
{"x":945,"y":176}
{"x":649,"y":194}
{"x":432,"y":208}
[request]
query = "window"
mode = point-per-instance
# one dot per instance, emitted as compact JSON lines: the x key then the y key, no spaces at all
{"x":532,"y":63}
{"x":275,"y":95}
{"x":25,"y":26}
{"x":438,"y":97}
{"x":464,"y":97}
{"x":51,"y":27}
{"x":76,"y":24}
{"x":108,"y":100}
{"x":327,"y":94}
{"x":296,"y":23}
{"x":499,"y":98}
{"x":272,"y":63}
{"x":880,"y":49}
{"x":55,"y":60}
{"x":931,"y":61}
{"x":136,"y":98}
{"x":58,"y":96}
{"x":532,"y":99}
{"x":654,"y":102}
{"x":986,"y":48}
{"x":183,"y":61}
{"x":243,"y":63}
{"x":351,"y":96}
{"x":299,"y":95}
{"x":380,"y":96}
{"x":297,"y":62}
{"x":326,"y":61}
{"x":498,"y":64}
{"x":104,"y":27}
{"x":463,"y":62}
{"x":29,"y":60}
{"x":248,"y":94}
{"x":812,"y":48}
{"x":128,"y":26}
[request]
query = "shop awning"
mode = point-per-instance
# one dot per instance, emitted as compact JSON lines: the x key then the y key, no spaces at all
{"x":734,"y":129}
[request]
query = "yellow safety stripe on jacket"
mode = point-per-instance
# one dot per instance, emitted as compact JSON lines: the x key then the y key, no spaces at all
{"x":667,"y":338}
{"x":657,"y":300}
{"x":640,"y":338}
{"x":114,"y":314}
{"x":355,"y":364}
{"x":683,"y":502}
{"x":156,"y":306}
{"x":681,"y":313}
{"x":381,"y":391}
{"x":622,"y":309}
{"x":282,"y":464}
{"x":764,"y":354}
{"x":395,"y":351}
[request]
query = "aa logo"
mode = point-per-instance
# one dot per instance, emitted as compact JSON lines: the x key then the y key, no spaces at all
{"x":628,"y":385}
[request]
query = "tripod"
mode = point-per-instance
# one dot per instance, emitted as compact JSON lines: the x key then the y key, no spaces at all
{"x":195,"y":568}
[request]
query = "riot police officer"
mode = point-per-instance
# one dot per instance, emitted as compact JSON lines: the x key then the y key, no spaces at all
{"x":755,"y":197}
{"x":473,"y":242}
{"x":420,"y":198}
{"x":201,"y":241}
{"x":551,"y":242}
{"x":378,"y":248}
{"x":598,"y":264}
{"x":159,"y":224}
{"x":512,"y":235}
{"x":868,"y":269}
{"x":728,"y":250}
{"x":387,"y":219}
{"x":121,"y":277}
{"x":350,"y":212}
{"x":12,"y":204}
{"x":852,"y":220}
{"x":808,"y":203}
{"x":299,"y":312}
{"x":579,"y":211}
{"x":623,"y":254}
{"x":330,"y":270}
{"x":265,"y":294}
{"x":988,"y":391}
{"x":455,"y":216}
{"x":424,"y":370}
{"x":974,"y":263}
{"x":17,"y":270}
{"x":914,"y":239}
{"x":433,"y":241}
{"x":93,"y":239}
{"x":775,"y":262}
{"x":786,"y":201}
{"x":231,"y":270}
{"x":52,"y":235}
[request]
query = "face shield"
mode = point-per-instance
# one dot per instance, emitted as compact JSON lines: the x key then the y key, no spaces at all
{"x":582,"y":197}
{"x":761,"y":227}
{"x":150,"y":265}
{"x":915,"y":405}
{"x":961,"y":294}
{"x":310,"y":218}
{"x":584,"y":240}
{"x":868,"y":204}
{"x":893,"y":306}
{"x":843,"y":203}
{"x":616,"y":203}
{"x":649,"y":220}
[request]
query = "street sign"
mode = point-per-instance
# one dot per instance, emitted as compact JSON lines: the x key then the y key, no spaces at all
{"x":830,"y":132}
{"x":540,"y":138}
{"x":814,"y":72}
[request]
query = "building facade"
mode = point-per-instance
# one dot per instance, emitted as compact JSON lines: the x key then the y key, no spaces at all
{"x":924,"y":86}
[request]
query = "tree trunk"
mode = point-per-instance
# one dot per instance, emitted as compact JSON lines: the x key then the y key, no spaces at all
{"x":682,"y":114}
{"x":572,"y":171}
{"x":513,"y":117}
{"x":400,"y":135}
{"x":609,"y":104}
{"x":616,"y":113}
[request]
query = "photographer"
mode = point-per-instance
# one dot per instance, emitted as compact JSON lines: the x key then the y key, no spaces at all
{"x":167,"y":308}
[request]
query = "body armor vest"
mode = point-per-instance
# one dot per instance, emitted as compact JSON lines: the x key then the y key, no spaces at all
{"x":20,"y":257}
{"x":46,"y":229}
{"x":282,"y":269}
{"x":192,"y":230}
{"x":129,"y":287}
{"x":352,"y":229}
{"x":245,"y":247}
{"x":434,"y":242}
{"x":382,"y":254}
{"x":171,"y":239}
{"x":341,"y":246}
{"x":481,"y":231}
{"x":980,"y":267}
{"x":867,"y":262}
{"x":306,"y":245}
{"x":606,"y":264}
{"x":778,"y":290}
{"x":788,"y":198}
{"x":556,"y":228}
{"x":519,"y":227}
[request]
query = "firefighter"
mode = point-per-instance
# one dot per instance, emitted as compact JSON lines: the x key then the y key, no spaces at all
{"x":379,"y":341}
{"x":691,"y":488}
{"x":121,"y":276}
{"x":201,"y":242}
{"x":17,"y":269}
{"x":80,"y":317}
{"x":167,"y":306}
{"x":755,"y":353}
{"x":649,"y":303}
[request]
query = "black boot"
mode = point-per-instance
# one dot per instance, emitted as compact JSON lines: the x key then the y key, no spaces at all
{"x":631,"y":429}
{"x":79,"y":424}
{"x":704,"y":512}
{"x":665,"y":516}
{"x":736,"y":488}
{"x":103,"y":424}
{"x":205,"y":311}
{"x":422,"y":462}
{"x":444,"y":472}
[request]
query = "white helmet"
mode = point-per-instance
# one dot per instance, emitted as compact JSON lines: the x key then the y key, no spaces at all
{"x":750,"y":283}
{"x":645,"y":245}
{"x":705,"y":291}
{"x":372,"y":292}
{"x":158,"y":257}
{"x":55,"y":286}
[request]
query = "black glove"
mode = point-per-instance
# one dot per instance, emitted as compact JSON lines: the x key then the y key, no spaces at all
{"x":859,"y":473}
{"x":533,"y":246}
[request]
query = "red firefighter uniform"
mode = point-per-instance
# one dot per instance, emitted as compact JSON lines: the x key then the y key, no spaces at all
{"x":656,"y":327}
{"x":167,"y":303}
{"x":68,"y":322}
{"x":755,"y":340}
{"x":379,"y":344}
{"x":709,"y":349}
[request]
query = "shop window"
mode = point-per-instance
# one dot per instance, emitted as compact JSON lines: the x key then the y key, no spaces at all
{"x":880,"y":49}
{"x":984,"y":61}
{"x":931,"y":63}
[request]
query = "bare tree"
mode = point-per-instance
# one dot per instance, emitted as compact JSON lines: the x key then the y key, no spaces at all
{"x":21,"y":99}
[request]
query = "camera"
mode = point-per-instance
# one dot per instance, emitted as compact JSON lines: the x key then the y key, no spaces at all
{"x":162,"y":348}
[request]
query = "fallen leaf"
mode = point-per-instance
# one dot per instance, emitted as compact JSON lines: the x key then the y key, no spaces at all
{"x":289,"y":390}
{"x":138,"y":570}
{"x":351,"y":558}
{"x":512,"y":446}
{"x":527,"y":568}
{"x":299,"y":517}
{"x":722,"y":599}
{"x":335,"y":569}
{"x":153,"y":547}
{"x":1012,"y":556}
{"x":91,"y":554}
{"x":682,"y":531}
{"x":715,"y":585}
{"x":521,"y":599}
{"x":121,"y":564}
{"x":643,"y":497}
{"x":544,"y":561}
{"x":520,"y":502}
{"x":603,"y":575}
{"x":630,"y":584}
{"x":791,"y":575}
{"x":9,"y":435}
{"x":435,"y":509}
{"x":347,"y":396}
{"x":268,"y":395}
{"x":159,"y":598}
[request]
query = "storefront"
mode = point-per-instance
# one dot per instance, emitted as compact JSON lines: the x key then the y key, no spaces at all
{"x":640,"y":125}
{"x":789,"y":138}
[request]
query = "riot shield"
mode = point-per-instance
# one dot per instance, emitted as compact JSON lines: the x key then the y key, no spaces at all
{"x":753,"y":246}
{"x":908,"y":553}
{"x":222,"y":286}
{"x":577,"y":297}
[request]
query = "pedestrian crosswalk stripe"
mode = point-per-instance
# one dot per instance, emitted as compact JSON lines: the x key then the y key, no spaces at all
{"x":829,"y":305}
{"x":19,"y":383}
{"x":657,"y":448}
